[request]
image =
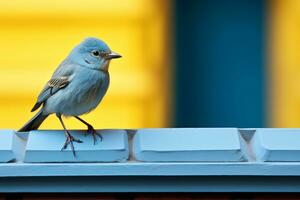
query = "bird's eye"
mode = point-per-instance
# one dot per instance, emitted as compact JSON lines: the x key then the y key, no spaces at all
{"x":95,"y":53}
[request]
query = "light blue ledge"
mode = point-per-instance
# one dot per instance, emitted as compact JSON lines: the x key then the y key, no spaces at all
{"x":276,"y":145}
{"x":188,"y":144}
{"x":45,"y":146}
{"x":150,"y":177}
{"x":6,"y":146}
{"x":258,"y":173}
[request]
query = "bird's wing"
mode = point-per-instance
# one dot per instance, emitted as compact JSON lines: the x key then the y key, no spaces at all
{"x":52,"y":86}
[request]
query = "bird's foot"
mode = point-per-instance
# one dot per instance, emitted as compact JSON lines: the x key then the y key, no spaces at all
{"x":94,"y":133}
{"x":69,"y":140}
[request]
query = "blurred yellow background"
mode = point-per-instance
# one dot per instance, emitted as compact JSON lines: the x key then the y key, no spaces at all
{"x":284,"y":66}
{"x":35,"y":36}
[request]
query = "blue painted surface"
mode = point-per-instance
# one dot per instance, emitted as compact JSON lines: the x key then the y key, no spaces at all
{"x":276,"y":144}
{"x":19,"y":145}
{"x":151,"y":184}
{"x":45,"y":146}
{"x":6,"y":145}
{"x":188,"y":144}
{"x":133,"y":168}
{"x":164,"y":176}
{"x":220,"y":77}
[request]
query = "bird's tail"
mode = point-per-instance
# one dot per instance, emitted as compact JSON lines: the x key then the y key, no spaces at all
{"x":34,"y":122}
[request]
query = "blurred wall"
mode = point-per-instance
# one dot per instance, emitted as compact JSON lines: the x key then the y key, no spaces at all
{"x":220,"y":63}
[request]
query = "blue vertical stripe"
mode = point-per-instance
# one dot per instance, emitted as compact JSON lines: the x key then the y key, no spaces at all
{"x":220,"y":63}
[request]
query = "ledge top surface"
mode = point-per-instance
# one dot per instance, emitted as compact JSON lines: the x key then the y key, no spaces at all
{"x":176,"y":139}
{"x":279,"y":139}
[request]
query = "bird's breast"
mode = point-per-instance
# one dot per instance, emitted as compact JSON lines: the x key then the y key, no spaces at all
{"x":89,"y":92}
{"x":83,"y":94}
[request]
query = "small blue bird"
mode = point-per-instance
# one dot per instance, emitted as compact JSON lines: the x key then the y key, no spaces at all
{"x":76,"y":87}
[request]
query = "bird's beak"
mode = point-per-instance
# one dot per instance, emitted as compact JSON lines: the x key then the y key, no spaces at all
{"x":113,"y":55}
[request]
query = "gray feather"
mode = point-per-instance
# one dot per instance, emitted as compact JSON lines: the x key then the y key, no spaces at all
{"x":34,"y":123}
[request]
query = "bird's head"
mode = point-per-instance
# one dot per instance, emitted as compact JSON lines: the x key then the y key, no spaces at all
{"x":93,"y":53}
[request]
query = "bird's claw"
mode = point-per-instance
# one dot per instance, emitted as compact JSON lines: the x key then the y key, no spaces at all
{"x":94,"y":133}
{"x":69,"y":140}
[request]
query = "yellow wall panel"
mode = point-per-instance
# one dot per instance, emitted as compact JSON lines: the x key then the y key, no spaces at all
{"x":284,"y":69}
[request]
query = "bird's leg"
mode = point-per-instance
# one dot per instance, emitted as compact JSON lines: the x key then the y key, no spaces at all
{"x":69,"y":137}
{"x":91,"y":130}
